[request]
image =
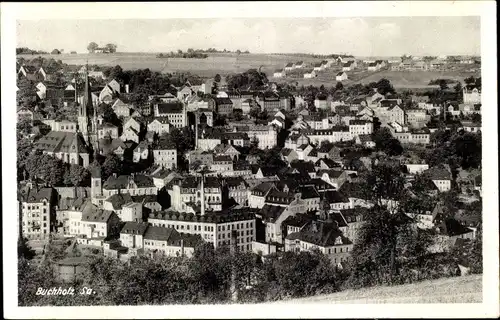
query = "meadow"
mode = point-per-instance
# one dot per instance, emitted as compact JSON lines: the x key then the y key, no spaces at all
{"x":466,"y":289}
{"x":219,"y":63}
{"x":227,"y":63}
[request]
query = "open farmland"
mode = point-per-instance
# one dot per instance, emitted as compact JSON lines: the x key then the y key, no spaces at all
{"x":226,"y":63}
{"x":220,"y":63}
{"x":467,"y":289}
{"x":399,"y":79}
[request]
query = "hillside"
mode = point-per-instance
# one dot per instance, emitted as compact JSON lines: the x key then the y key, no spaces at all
{"x":466,"y":289}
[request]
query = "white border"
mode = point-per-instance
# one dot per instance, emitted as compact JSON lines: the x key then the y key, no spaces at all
{"x":486,"y":9}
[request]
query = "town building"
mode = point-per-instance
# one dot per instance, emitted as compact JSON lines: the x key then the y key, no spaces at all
{"x":175,"y":112}
{"x":69,"y":147}
{"x":159,"y":125}
{"x":38,"y":213}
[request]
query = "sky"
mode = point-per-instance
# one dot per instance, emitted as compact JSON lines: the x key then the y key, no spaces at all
{"x":366,"y":36}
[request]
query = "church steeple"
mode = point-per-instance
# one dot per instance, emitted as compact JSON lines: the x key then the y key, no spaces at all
{"x":87,"y":115}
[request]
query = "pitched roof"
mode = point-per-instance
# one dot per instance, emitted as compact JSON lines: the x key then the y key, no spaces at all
{"x":161,"y":234}
{"x":303,"y":166}
{"x":320,"y":233}
{"x":270,"y":212}
{"x":118,"y":200}
{"x":58,"y":141}
{"x":170,"y":107}
{"x":121,"y":182}
{"x":97,"y":215}
{"x":132,"y":227}
{"x":37,"y":196}
{"x":437,"y":173}
{"x":452,"y":227}
{"x":308,"y":192}
{"x":335,"y":197}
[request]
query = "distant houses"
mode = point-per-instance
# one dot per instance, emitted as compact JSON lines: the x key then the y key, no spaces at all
{"x":341,"y":76}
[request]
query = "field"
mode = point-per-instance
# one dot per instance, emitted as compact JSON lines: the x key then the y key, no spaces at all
{"x":399,"y":79}
{"x":224,"y":64}
{"x":467,"y":289}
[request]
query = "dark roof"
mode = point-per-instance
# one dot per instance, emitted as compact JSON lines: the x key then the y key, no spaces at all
{"x":269,"y":171}
{"x":332,"y":173}
{"x":98,"y":215}
{"x":58,"y":141}
{"x":222,"y":158}
{"x":452,"y":227}
{"x":308,"y":192}
{"x":437,"y":173}
{"x":354,"y":215}
{"x":390,"y":103}
{"x":279,"y":197}
{"x":214,"y":217}
{"x":335,"y":197}
{"x":37,"y":196}
{"x":303,"y":166}
{"x":321,"y":233}
{"x":262,"y":188}
{"x":118,"y":200}
{"x":328,"y":162}
{"x":148,"y":198}
{"x":170,"y":107}
{"x":219,"y":101}
{"x":233,"y":182}
{"x":132,"y":227}
{"x":270,"y":212}
{"x":30,"y":69}
{"x":299,"y":220}
{"x":121,"y":182}
{"x":161,"y":233}
{"x":192,"y":182}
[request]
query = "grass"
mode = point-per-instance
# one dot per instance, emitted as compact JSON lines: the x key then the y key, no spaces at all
{"x":467,"y":289}
{"x":216,"y":63}
{"x":224,"y":64}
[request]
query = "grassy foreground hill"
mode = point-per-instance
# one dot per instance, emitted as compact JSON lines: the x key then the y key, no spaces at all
{"x":467,"y":289}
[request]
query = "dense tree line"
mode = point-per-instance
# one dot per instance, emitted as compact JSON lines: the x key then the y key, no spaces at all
{"x":251,"y":79}
{"x":25,"y":50}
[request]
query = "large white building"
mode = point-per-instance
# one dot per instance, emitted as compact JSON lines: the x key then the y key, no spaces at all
{"x":175,"y":112}
{"x":213,"y":227}
{"x":37,"y":214}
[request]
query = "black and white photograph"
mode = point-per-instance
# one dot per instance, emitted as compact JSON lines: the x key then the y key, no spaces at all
{"x":184,"y":156}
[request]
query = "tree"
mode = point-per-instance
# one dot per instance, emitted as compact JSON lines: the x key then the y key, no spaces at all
{"x":238,"y":52}
{"x":217,"y":78}
{"x":24,"y":250}
{"x":76,"y":175}
{"x":109,"y":115}
{"x":254,"y":112}
{"x":238,"y":114}
{"x":443,"y":84}
{"x":111,"y":165}
{"x":387,"y":238}
{"x":111,"y":47}
{"x":45,"y":167}
{"x":339,"y":86}
{"x":384,"y":86}
{"x":55,"y":51}
{"x":92,"y":47}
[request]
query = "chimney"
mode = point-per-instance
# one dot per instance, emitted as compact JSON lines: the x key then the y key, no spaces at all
{"x":126,"y":88}
{"x":182,"y":247}
{"x":202,"y":194}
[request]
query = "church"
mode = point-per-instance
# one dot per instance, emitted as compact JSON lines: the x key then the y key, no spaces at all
{"x":74,"y":147}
